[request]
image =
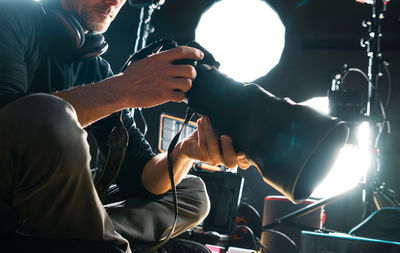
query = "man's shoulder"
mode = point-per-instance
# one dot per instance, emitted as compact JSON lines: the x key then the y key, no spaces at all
{"x":19,"y":13}
{"x":19,"y":8}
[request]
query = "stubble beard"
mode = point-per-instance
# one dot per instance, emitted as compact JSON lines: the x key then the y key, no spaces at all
{"x":91,"y":23}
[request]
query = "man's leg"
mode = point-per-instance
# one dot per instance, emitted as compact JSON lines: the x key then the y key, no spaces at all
{"x":150,"y":220}
{"x":44,"y":171}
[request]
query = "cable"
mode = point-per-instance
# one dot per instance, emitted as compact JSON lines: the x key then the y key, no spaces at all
{"x":359,"y":71}
{"x":380,"y":125}
{"x":144,"y":121}
{"x":389,"y":94}
{"x":283,"y":235}
{"x":189,"y":115}
{"x":389,"y":76}
{"x":251,"y":234}
{"x":256,"y":241}
{"x":131,"y":110}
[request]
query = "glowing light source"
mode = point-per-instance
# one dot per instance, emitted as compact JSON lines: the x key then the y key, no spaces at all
{"x":246,"y":37}
{"x":352,"y":163}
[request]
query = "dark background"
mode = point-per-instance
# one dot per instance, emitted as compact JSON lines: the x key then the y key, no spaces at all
{"x":321,"y":36}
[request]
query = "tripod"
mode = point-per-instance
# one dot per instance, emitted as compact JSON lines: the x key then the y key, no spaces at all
{"x":374,"y":190}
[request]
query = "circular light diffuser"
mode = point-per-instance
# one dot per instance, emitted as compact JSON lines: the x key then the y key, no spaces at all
{"x":246,"y":36}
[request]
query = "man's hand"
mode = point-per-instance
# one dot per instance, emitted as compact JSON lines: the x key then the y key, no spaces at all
{"x":205,"y":145}
{"x":156,"y":79}
{"x":147,"y":82}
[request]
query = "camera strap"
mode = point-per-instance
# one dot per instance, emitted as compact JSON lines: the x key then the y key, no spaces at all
{"x":188,"y":117}
{"x":119,"y":137}
{"x":117,"y":145}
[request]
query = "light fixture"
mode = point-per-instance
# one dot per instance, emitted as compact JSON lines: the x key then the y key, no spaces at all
{"x":246,"y":37}
{"x":352,"y":163}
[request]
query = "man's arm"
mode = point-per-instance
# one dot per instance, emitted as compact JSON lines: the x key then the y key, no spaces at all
{"x":16,"y":42}
{"x":204,"y":145}
{"x":148,"y":82}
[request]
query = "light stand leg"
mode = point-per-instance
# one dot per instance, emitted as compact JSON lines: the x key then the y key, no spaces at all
{"x":305,"y":210}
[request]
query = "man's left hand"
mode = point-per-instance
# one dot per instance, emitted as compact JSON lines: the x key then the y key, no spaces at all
{"x":207,"y":146}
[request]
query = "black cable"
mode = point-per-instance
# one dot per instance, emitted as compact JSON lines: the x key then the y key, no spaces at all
{"x":389,"y":76}
{"x":154,"y":47}
{"x":189,"y":114}
{"x":388,"y":98}
{"x":382,"y":107}
{"x":381,"y":125}
{"x":283,"y":235}
{"x":251,"y":234}
{"x":358,"y":71}
{"x":145,"y":128}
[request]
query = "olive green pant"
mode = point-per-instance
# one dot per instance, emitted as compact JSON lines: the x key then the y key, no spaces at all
{"x":45,"y":179}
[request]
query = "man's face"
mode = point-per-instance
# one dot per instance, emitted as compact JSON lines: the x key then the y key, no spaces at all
{"x":94,"y":15}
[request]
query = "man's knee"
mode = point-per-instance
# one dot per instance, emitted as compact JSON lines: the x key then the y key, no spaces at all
{"x":42,"y":124}
{"x":193,"y":190}
{"x":39,"y":110}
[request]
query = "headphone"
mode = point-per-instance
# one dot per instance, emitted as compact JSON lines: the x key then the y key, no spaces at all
{"x":67,"y":36}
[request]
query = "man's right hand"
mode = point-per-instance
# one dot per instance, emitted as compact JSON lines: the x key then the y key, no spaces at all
{"x":156,"y":79}
{"x":148,"y":82}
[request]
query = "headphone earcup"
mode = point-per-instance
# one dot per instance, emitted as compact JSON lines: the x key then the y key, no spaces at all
{"x":95,"y":45}
{"x":70,"y":39}
{"x":69,"y":32}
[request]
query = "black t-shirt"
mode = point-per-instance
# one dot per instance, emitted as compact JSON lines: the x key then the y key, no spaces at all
{"x":28,"y":66}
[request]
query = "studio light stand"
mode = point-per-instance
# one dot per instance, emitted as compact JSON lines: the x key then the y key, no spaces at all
{"x":144,"y":29}
{"x":374,"y":189}
{"x":147,"y":8}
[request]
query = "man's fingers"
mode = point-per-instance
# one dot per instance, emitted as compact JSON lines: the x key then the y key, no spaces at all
{"x":176,"y":96}
{"x":218,"y":150}
{"x":242,"y":160}
{"x":202,"y":141}
{"x":181,"y":84}
{"x":228,"y":152}
{"x":211,"y":140}
{"x":183,"y":52}
{"x":183,"y":71}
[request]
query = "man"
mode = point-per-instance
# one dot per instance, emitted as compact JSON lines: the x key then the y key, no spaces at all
{"x":45,"y":177}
